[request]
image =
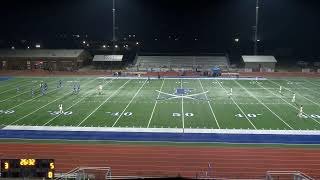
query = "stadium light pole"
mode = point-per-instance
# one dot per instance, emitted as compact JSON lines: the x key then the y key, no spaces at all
{"x":256,"y":29}
{"x":113,"y":21}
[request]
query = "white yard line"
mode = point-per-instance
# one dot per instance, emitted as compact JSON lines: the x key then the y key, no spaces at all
{"x":46,"y":105}
{"x":86,"y":95}
{"x":182,"y":110}
{"x":114,"y":93}
{"x":295,"y":93}
{"x":209,"y":105}
{"x":129,"y":103}
{"x":252,"y":95}
{"x":311,"y":82}
{"x":155,"y":104}
{"x":287,"y":102}
{"x":238,"y":107}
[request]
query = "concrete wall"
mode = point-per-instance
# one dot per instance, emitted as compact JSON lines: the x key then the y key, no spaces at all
{"x":256,"y":66}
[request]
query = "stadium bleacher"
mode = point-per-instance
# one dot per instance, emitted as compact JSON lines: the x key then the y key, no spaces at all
{"x":182,"y":61}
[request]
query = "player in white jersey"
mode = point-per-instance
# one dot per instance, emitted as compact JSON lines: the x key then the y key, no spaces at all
{"x":100,"y":89}
{"x":230,"y":93}
{"x":280,"y":90}
{"x":60,"y":109}
{"x":293,"y":98}
{"x":300,"y":111}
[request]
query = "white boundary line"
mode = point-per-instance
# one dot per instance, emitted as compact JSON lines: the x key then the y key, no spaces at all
{"x":209,"y":105}
{"x":289,"y":103}
{"x":182,"y":110}
{"x":238,"y":106}
{"x":192,"y":78}
{"x":264,"y":105}
{"x":163,"y":130}
{"x":295,"y":93}
{"x":46,"y":104}
{"x":103,"y":103}
{"x":129,"y":103}
{"x":86,"y":95}
{"x":155,"y":104}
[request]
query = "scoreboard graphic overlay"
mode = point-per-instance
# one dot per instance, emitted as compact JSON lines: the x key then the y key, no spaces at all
{"x":15,"y":168}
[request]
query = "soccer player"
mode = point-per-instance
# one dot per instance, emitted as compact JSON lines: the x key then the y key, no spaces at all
{"x":148,"y":79}
{"x":45,"y":86}
{"x":60,"y":109}
{"x":293,"y":98}
{"x":300,"y":111}
{"x":74,"y":89}
{"x":100,"y":89}
{"x":32,"y":92}
{"x":230,"y":94}
{"x":59,"y":84}
{"x":280,"y":90}
{"x":78,"y":88}
{"x":18,"y":89}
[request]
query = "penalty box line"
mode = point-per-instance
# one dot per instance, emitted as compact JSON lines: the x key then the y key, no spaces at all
{"x":295,"y":93}
{"x":33,"y":98}
{"x":129,"y":103}
{"x":45,"y":105}
{"x":23,"y":93}
{"x":86,"y":95}
{"x":238,"y":106}
{"x":103,"y":103}
{"x":264,"y":105}
{"x":289,"y":103}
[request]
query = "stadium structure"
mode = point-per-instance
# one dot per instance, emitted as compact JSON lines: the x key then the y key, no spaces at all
{"x":115,"y":111}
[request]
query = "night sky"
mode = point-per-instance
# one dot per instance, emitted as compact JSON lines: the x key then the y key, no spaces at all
{"x":293,"y":24}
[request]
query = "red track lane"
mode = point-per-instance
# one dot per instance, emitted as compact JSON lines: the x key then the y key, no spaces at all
{"x":140,"y":160}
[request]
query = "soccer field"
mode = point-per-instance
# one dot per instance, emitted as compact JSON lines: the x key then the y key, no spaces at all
{"x":162,"y":103}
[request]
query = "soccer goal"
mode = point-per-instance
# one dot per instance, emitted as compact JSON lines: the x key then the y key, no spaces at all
{"x":83,"y":173}
{"x":287,"y":175}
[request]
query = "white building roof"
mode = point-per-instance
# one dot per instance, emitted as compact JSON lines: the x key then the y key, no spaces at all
{"x":259,"y":59}
{"x":41,"y":53}
{"x":107,"y":58}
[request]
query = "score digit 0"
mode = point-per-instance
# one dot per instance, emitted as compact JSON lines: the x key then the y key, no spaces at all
{"x":50,"y":175}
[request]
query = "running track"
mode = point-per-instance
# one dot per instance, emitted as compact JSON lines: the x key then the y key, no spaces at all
{"x":140,"y":160}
